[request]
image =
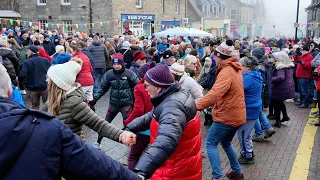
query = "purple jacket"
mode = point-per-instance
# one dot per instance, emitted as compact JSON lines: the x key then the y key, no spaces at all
{"x":282,"y":82}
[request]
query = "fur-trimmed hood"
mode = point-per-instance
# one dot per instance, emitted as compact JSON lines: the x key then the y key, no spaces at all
{"x":280,"y":65}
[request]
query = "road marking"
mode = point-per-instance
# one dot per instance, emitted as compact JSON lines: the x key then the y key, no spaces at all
{"x":300,"y":168}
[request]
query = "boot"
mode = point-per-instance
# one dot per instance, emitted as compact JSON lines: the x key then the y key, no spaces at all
{"x":277,"y":124}
{"x":314,"y":104}
{"x":235,"y":176}
{"x":284,"y":119}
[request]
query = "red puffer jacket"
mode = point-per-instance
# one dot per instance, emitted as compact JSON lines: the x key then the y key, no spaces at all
{"x":84,"y":77}
{"x":186,"y":162}
{"x":142,"y":102}
{"x":304,"y":69}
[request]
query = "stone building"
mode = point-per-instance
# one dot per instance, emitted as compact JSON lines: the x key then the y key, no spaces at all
{"x":144,"y":17}
{"x":313,"y":11}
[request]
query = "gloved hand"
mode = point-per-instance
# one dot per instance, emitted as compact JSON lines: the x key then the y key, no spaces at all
{"x":91,"y":104}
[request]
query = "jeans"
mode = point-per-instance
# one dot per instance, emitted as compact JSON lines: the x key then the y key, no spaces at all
{"x":245,"y":139}
{"x":263,"y":120}
{"x":306,"y":90}
{"x":98,"y":74}
{"x":112,"y":113}
{"x":221,"y":133}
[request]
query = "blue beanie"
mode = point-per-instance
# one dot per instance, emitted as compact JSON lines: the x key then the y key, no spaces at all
{"x":62,"y":58}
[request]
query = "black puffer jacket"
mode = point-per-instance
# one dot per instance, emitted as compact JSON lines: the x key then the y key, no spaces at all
{"x":122,"y":83}
{"x":10,"y":69}
{"x":99,"y":53}
{"x":49,"y":47}
{"x":8,"y":53}
{"x":173,"y":109}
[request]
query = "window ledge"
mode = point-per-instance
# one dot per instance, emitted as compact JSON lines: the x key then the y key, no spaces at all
{"x":139,"y":7}
{"x":41,"y":4}
{"x":65,"y":4}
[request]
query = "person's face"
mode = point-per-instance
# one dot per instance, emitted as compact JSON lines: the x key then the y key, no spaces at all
{"x":29,"y":53}
{"x":152,"y":90}
{"x":41,"y":38}
{"x":18,"y":33}
{"x":117,"y":66}
{"x":165,"y":40}
{"x":25,"y":35}
{"x":47,"y":39}
{"x":174,"y":49}
{"x":217,"y":60}
{"x":48,"y":80}
{"x":33,"y":38}
{"x":209,"y":63}
{"x":171,"y":60}
{"x":145,"y":44}
{"x":66,"y":44}
{"x":245,"y":69}
{"x":311,"y":47}
{"x":193,"y":66}
{"x":54,"y":33}
{"x":141,"y":62}
{"x":107,"y":43}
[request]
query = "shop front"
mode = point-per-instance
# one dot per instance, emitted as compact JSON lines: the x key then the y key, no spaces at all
{"x":139,"y":24}
{"x":166,"y":24}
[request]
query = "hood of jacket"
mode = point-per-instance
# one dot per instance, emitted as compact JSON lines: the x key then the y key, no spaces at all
{"x":254,"y":75}
{"x":16,"y":122}
{"x":281,"y":65}
{"x":96,"y":42}
{"x":75,"y":91}
{"x":5,"y":51}
{"x":232,"y":62}
{"x":135,"y":47}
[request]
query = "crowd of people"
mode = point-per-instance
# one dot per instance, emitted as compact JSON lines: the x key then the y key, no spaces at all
{"x":160,"y":86}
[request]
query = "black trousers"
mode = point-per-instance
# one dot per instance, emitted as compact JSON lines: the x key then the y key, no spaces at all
{"x":279,"y":107}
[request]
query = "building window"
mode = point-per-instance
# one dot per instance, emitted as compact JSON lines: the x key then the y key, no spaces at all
{"x":215,"y":11}
{"x":314,"y":15}
{"x":42,"y":24}
{"x":225,"y":10}
{"x":67,"y":28}
{"x":233,"y":15}
{"x":42,"y":2}
{"x":65,"y":2}
{"x":138,"y":3}
{"x":177,"y":6}
{"x":206,"y":10}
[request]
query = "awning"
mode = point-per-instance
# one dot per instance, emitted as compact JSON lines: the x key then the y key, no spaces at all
{"x":9,"y":14}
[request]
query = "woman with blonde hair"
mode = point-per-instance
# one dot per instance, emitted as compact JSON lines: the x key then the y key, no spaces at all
{"x":282,"y":86}
{"x":190,"y":65}
{"x":65,"y":101}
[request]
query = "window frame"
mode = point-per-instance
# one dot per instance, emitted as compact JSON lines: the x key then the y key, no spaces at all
{"x":215,"y":11}
{"x":177,"y":7}
{"x":139,"y":4}
{"x":42,"y":24}
{"x":39,"y":3}
{"x":233,"y":14}
{"x":64,"y":30}
{"x":65,"y":3}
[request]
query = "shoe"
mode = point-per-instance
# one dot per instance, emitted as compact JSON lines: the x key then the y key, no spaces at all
{"x":235,"y":176}
{"x":97,"y":146}
{"x":303,"y":106}
{"x":243,"y":160}
{"x":257,"y":138}
{"x":271,"y":117}
{"x":314,"y":104}
{"x":269,"y":133}
{"x":289,"y":100}
{"x":23,"y":92}
{"x":314,"y":114}
{"x":317,"y":124}
{"x":285,"y":119}
{"x":277,"y":124}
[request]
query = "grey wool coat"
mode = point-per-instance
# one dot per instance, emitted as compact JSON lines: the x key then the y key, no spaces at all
{"x":75,"y":112}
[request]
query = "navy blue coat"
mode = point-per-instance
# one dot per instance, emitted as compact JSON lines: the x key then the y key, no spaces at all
{"x":35,"y":145}
{"x":34,"y":73}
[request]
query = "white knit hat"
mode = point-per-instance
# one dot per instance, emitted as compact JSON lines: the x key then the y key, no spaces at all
{"x":64,"y":75}
{"x":177,"y":69}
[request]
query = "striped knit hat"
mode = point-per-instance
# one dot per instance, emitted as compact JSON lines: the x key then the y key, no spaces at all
{"x":144,"y":68}
{"x":177,"y":68}
{"x":139,"y":55}
{"x":159,"y":76}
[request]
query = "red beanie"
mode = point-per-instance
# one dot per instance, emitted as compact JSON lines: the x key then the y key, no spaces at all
{"x":139,"y":55}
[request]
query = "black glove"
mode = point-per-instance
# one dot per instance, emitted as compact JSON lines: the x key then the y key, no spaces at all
{"x":298,"y":51}
{"x":92,"y":103}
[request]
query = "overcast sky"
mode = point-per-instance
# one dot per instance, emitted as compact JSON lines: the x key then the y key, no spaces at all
{"x":282,"y":13}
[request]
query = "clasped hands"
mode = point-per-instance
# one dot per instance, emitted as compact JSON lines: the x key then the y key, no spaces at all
{"x":128,"y":138}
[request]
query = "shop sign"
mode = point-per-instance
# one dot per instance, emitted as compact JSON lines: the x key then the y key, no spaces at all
{"x":138,"y":17}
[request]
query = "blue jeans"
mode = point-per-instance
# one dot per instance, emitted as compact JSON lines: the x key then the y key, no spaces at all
{"x":306,"y":90}
{"x":245,"y":139}
{"x":98,"y":74}
{"x":221,"y":133}
{"x":263,"y":120}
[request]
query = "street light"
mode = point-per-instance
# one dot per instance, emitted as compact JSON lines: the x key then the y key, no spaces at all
{"x":297,"y":20}
{"x":90,"y":16}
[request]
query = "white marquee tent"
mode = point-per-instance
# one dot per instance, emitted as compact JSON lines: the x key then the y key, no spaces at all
{"x":185,"y":32}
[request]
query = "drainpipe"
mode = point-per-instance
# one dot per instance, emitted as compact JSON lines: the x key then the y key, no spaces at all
{"x":297,"y":20}
{"x":90,"y":16}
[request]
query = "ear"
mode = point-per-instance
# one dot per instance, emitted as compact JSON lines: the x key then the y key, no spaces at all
{"x":10,"y":93}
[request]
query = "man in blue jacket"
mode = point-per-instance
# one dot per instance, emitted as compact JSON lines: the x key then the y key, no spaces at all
{"x":36,"y":145}
{"x":34,"y":75}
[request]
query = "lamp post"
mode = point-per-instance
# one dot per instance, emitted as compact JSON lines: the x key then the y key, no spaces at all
{"x":297,"y":20}
{"x":90,"y":16}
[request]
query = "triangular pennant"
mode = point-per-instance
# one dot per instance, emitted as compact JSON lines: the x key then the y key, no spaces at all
{"x":261,"y":27}
{"x":92,"y":24}
{"x":67,"y":25}
{"x":76,"y":25}
{"x":100,"y":23}
{"x":46,"y":25}
{"x":5,"y":21}
{"x":118,"y":20}
{"x":30,"y":24}
{"x":105,"y":22}
{"x":18,"y":22}
{"x":11,"y":21}
{"x":85,"y":25}
{"x":52,"y":25}
{"x":80,"y":25}
{"x":132,"y":21}
{"x":200,"y":28}
{"x":108,"y":22}
{"x":152,"y":25}
{"x":71,"y":25}
{"x":274,"y":26}
{"x":58,"y":26}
